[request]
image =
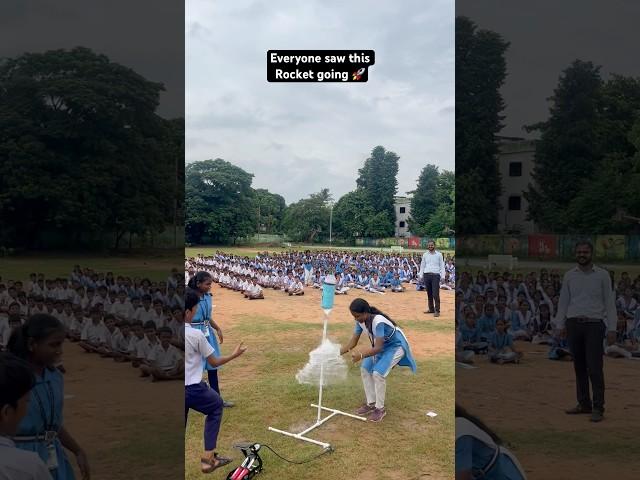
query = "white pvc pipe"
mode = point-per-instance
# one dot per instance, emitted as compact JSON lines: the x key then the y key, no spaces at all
{"x":300,"y":437}
{"x":317,"y":424}
{"x":364,"y":419}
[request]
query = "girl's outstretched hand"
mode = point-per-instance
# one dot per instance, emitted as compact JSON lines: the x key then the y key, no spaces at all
{"x":239,"y":350}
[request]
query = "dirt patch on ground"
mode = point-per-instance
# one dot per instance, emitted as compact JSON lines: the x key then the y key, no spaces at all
{"x":231,"y":309}
{"x":525,"y":404}
{"x":130,"y":427}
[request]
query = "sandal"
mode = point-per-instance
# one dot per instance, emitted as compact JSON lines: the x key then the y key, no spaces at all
{"x":213,"y":463}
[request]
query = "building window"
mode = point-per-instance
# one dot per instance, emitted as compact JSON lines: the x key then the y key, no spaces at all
{"x":515,"y":169}
{"x":402,"y":224}
{"x":402,"y":210}
{"x":514,"y":203}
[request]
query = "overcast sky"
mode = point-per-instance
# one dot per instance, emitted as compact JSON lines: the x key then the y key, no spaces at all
{"x":546,"y":36}
{"x":297,"y":138}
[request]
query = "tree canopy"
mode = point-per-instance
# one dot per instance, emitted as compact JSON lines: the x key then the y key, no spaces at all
{"x":480,"y":72}
{"x":83,"y":153}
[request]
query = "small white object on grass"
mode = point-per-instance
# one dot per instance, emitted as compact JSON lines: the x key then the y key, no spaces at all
{"x":432,"y":414}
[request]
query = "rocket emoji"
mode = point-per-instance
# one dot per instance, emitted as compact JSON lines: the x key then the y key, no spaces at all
{"x":358,"y":75}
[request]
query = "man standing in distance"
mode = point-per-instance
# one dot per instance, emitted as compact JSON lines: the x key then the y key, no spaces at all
{"x":432,"y":270}
{"x":587,"y":310}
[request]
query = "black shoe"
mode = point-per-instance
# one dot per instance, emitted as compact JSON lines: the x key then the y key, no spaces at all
{"x":597,"y":416}
{"x":578,"y":410}
{"x":429,"y":311}
{"x":436,"y":314}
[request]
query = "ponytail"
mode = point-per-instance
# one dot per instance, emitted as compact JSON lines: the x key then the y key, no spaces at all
{"x":37,"y":328}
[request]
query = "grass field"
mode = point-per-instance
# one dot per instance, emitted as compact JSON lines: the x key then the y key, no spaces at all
{"x":155,"y":267}
{"x":280,"y":331}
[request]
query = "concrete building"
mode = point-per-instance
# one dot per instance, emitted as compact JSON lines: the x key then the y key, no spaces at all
{"x":516,"y":162}
{"x":403,"y":211}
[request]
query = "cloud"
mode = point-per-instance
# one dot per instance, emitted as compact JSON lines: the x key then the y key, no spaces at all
{"x":298,"y":138}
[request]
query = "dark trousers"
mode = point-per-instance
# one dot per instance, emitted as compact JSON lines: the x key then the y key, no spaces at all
{"x":205,"y":400}
{"x":586,"y":343}
{"x":213,"y":380}
{"x":432,"y":286}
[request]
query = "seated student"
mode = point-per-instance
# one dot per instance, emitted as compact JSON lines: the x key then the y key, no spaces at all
{"x":120,"y":341}
{"x":145,"y":313}
{"x":521,"y":320}
{"x":487,"y":323}
{"x":447,"y":283}
{"x":559,"y":348}
{"x":469,"y":333}
{"x":362,"y":281}
{"x":462,"y":355}
{"x":623,"y":345}
{"x":542,"y":327}
{"x":144,"y":346}
{"x":77,"y":324}
{"x":501,"y":348}
{"x":12,"y":323}
{"x":396,"y":284}
{"x":137,"y":331}
{"x":385,"y":278}
{"x":165,"y":361}
{"x":92,"y":332}
{"x":106,"y":340}
{"x":158,"y":316}
{"x":16,"y":383}
{"x":350,"y":279}
{"x":296,"y":288}
{"x":341,"y":286}
{"x":122,"y":306}
{"x":374,"y":284}
{"x":319,"y":279}
{"x":254,"y":292}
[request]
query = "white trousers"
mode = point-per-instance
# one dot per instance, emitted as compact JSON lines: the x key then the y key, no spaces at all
{"x":375,"y":385}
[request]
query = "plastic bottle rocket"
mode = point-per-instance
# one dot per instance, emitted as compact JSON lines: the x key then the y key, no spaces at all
{"x":328,"y":292}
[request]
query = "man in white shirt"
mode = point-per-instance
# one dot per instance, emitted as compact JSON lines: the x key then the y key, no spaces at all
{"x":586,"y":310}
{"x":198,"y":395}
{"x":432,"y":270}
{"x":16,"y":382}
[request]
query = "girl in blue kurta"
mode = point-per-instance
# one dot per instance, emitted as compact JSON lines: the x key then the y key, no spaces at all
{"x":480,"y":454}
{"x":203,"y":320}
{"x":39,"y":342}
{"x":389,"y":347}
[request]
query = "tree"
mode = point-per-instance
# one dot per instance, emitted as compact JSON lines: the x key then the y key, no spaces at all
{"x":586,"y":159}
{"x":425,"y":199}
{"x":569,"y":139}
{"x":308,"y":219}
{"x":480,"y":72}
{"x":270,"y":210}
{"x":220,"y":204}
{"x":83,"y":152}
{"x":377,"y":178}
{"x":352,"y":214}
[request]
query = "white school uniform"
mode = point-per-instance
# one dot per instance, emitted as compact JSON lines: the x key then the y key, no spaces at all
{"x":120,"y":343}
{"x":164,"y":359}
{"x":143,"y":315}
{"x":93,"y":333}
{"x":122,"y":309}
{"x":144,"y":346}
